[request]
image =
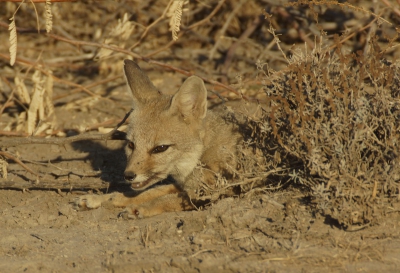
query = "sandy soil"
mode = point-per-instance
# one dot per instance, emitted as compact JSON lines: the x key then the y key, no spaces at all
{"x":42,"y":233}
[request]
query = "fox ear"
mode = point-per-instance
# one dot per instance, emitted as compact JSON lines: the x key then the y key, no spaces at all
{"x":191,"y":99}
{"x":140,"y":85}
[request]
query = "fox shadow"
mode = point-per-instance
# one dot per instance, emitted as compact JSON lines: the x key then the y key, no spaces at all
{"x":109,"y":158}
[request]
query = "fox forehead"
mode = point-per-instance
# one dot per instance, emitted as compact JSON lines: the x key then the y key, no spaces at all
{"x":152,"y":124}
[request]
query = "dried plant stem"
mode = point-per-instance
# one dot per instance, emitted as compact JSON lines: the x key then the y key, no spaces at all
{"x":85,"y":43}
{"x":216,"y":9}
{"x":396,"y":10}
{"x":40,"y":1}
{"x":137,"y":56}
{"x":127,"y":52}
{"x":187,"y":73}
{"x":151,"y":25}
{"x":7,"y":103}
{"x":371,"y":32}
{"x":224,"y":28}
{"x":184,"y":29}
{"x":13,"y":41}
{"x":164,"y":47}
{"x":22,"y":134}
{"x":355,"y":32}
{"x":79,"y":89}
{"x":101,"y":124}
{"x":36,"y":12}
{"x":61,"y":141}
{"x":16,"y":160}
{"x":272,"y":31}
{"x":232,"y":49}
{"x":84,"y":89}
{"x":30,"y":63}
{"x":9,"y":98}
{"x":342,"y":5}
{"x":150,"y":61}
{"x":114,"y":134}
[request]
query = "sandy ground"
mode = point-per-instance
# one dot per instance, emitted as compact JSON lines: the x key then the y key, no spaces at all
{"x":42,"y":233}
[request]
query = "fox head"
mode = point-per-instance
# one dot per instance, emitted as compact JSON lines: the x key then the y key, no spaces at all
{"x":165,"y":132}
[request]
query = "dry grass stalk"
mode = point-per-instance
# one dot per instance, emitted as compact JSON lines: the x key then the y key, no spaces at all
{"x":117,"y":36}
{"x":48,"y":16}
{"x":13,"y":40}
{"x":175,"y":15}
{"x":21,"y":90}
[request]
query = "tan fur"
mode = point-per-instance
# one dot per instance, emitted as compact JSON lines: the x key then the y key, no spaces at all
{"x":189,"y":133}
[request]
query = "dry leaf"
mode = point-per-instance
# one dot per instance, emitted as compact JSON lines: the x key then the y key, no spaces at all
{"x":21,"y":90}
{"x":49,"y":94}
{"x":3,"y":168}
{"x":120,"y":33}
{"x":13,"y":41}
{"x":36,"y":109}
{"x":48,"y":16}
{"x":175,"y":13}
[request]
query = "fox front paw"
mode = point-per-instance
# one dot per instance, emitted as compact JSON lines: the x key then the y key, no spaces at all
{"x":133,"y":212}
{"x":88,"y":201}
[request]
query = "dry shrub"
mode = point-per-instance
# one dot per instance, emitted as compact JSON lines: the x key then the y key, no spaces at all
{"x":335,"y":120}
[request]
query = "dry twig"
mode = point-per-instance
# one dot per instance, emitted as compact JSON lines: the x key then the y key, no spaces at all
{"x":16,"y":160}
{"x":232,"y":49}
{"x":114,"y":135}
{"x":121,"y":50}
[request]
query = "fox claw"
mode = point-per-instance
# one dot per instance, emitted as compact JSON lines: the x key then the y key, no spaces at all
{"x":87,"y":202}
{"x":131,"y":213}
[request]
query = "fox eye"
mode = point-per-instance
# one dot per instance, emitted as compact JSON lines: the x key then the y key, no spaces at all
{"x":131,"y":145}
{"x":160,"y":149}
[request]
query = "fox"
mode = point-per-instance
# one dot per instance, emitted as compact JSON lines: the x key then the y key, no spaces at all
{"x":175,"y":144}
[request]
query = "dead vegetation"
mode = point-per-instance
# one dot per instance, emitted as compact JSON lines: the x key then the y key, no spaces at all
{"x":325,"y":76}
{"x":334,"y":119}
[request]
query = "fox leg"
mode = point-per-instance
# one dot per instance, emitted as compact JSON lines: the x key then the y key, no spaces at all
{"x":92,"y":201}
{"x":167,"y":203}
{"x":117,"y":199}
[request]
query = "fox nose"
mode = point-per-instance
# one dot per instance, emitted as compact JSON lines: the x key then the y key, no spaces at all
{"x":129,"y":176}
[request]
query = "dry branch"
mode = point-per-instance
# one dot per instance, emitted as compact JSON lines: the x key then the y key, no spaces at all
{"x":207,"y":19}
{"x":142,"y":58}
{"x":38,"y":67}
{"x":66,"y":184}
{"x":112,"y":135}
{"x":38,"y":1}
{"x":224,"y":28}
{"x":129,"y":53}
{"x":16,"y":160}
{"x":151,"y":25}
{"x":245,"y":35}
